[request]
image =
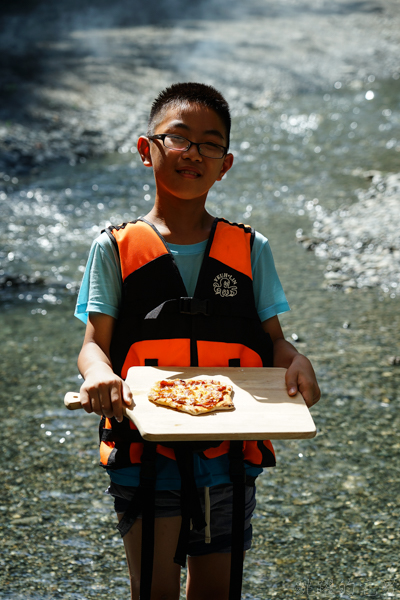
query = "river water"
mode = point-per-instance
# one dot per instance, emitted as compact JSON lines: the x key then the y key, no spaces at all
{"x":327,"y":519}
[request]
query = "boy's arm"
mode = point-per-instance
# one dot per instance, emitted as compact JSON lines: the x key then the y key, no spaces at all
{"x":300,"y":374}
{"x":102,"y":392}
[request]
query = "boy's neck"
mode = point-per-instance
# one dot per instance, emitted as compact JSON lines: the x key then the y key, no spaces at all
{"x":189,"y":226}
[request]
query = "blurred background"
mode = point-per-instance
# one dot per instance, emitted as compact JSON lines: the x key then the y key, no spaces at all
{"x":314,"y":88}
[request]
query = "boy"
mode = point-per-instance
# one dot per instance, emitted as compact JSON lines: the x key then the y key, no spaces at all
{"x":180,"y":287}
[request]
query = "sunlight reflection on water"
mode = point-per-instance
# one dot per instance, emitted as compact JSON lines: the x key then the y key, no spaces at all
{"x":287,"y":154}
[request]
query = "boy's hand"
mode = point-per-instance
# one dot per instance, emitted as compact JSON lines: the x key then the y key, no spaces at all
{"x":300,"y":377}
{"x":104,"y":393}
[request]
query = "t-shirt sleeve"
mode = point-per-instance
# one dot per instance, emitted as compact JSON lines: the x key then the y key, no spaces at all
{"x":268,"y":292}
{"x":101,"y":286}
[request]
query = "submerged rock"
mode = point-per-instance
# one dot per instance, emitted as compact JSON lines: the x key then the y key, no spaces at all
{"x":8,"y":280}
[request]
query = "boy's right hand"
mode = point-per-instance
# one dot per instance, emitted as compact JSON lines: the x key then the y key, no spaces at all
{"x":104,"y":393}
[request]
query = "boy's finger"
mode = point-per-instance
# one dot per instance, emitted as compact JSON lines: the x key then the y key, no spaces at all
{"x":84,"y":399}
{"x":313,"y":397}
{"x":101,"y":404}
{"x":291,"y":383}
{"x":116,"y":404}
{"x":127,"y":394}
{"x":309,"y":399}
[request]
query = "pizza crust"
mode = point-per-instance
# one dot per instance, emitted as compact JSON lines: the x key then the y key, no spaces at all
{"x":192,"y":396}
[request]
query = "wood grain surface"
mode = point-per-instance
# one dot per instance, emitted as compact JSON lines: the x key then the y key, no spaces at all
{"x":263,"y":409}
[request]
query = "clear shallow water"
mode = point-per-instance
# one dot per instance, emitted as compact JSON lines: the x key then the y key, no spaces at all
{"x":327,"y":518}
{"x":290,"y":155}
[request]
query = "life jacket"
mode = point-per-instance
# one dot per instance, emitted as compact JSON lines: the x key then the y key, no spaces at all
{"x":159,"y":324}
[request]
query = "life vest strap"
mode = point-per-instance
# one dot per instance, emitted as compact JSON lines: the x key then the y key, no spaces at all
{"x":144,"y":501}
{"x":187,"y":305}
{"x":184,"y":305}
{"x":237,"y":474}
{"x":194,"y":306}
{"x":131,"y":514}
{"x":190,"y":501}
{"x":148,"y":484}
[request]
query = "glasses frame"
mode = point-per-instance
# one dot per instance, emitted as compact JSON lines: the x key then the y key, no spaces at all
{"x":162,"y":136}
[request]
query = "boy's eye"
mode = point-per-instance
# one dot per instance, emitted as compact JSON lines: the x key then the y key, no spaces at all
{"x":177,"y":142}
{"x":210,"y":145}
{"x":211,"y":150}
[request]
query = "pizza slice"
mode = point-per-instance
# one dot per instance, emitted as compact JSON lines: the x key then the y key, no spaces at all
{"x":193,"y":396}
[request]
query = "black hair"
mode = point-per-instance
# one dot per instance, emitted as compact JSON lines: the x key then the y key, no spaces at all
{"x":194,"y":93}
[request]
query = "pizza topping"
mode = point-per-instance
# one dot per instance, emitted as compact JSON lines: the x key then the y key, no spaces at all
{"x":194,"y":396}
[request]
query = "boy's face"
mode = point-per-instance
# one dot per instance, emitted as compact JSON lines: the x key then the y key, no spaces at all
{"x":186,"y":174}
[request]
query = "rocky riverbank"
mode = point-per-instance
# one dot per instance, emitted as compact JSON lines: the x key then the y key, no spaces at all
{"x":361,"y":242}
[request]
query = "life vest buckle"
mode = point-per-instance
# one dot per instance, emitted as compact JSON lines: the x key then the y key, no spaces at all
{"x":194,"y":306}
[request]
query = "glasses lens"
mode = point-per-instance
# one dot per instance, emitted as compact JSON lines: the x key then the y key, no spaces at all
{"x":175,"y":142}
{"x":212,"y":150}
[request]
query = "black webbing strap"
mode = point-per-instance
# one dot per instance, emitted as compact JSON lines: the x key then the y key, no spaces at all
{"x":184,"y":305}
{"x":144,"y":502}
{"x":131,"y":513}
{"x":237,"y":474}
{"x":190,"y":501}
{"x":148,"y":475}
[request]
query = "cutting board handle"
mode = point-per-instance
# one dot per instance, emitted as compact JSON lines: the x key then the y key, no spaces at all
{"x":71,"y":400}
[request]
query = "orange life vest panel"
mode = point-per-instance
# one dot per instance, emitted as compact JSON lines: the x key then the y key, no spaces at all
{"x":160,"y":325}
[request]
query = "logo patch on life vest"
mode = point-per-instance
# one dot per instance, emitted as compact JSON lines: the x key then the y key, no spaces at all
{"x":225,"y":285}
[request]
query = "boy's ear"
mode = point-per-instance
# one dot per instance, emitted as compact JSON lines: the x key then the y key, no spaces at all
{"x":226,"y":165}
{"x":143,"y":147}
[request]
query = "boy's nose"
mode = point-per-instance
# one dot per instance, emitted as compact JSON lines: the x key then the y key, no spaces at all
{"x":192,"y":153}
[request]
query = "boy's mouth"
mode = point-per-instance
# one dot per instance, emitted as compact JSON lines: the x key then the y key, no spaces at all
{"x":191,"y":173}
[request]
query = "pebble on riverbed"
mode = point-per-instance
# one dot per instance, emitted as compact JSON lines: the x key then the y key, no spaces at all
{"x":361,"y":242}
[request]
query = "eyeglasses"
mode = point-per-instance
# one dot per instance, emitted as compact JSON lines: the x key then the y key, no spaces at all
{"x":177,"y":142}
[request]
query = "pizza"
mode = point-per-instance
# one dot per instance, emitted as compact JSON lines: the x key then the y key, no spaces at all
{"x":193,"y":396}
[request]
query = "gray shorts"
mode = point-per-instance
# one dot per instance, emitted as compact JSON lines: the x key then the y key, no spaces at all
{"x":167,"y":504}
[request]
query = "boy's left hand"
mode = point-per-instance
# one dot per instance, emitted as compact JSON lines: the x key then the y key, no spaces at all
{"x":300,"y":377}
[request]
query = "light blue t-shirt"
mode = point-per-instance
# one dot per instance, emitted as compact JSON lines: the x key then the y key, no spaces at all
{"x":101,"y":291}
{"x":101,"y":288}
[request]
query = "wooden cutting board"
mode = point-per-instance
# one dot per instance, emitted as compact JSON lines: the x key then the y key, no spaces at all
{"x":263,"y":409}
